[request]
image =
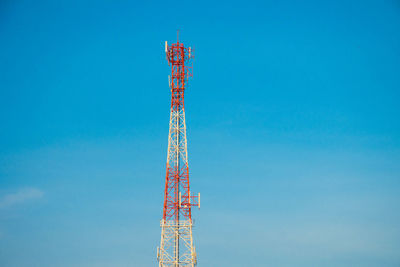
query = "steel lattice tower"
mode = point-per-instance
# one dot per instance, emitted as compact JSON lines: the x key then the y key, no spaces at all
{"x":176,"y":247}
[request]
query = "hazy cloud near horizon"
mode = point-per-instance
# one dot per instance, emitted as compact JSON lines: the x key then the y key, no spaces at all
{"x":20,"y":196}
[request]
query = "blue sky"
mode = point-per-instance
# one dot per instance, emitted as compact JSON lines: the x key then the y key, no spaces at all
{"x":293,"y":129}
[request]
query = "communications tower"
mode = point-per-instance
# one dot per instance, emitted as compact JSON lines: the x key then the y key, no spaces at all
{"x":176,"y":247}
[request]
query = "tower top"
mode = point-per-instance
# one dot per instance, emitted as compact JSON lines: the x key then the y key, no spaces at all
{"x":177,"y":53}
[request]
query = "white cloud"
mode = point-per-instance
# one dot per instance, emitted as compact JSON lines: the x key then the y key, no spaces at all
{"x":20,"y":196}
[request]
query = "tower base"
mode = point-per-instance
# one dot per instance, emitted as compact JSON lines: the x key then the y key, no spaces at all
{"x":168,"y":254}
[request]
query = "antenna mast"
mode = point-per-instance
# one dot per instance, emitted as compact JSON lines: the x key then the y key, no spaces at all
{"x":176,"y":247}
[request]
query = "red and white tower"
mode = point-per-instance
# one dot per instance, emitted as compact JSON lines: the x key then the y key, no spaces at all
{"x":176,"y":248}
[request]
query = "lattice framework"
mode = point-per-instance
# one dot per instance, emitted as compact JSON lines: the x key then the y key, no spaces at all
{"x":176,"y":247}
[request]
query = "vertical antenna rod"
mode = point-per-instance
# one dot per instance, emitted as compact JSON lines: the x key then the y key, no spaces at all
{"x":176,"y":247}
